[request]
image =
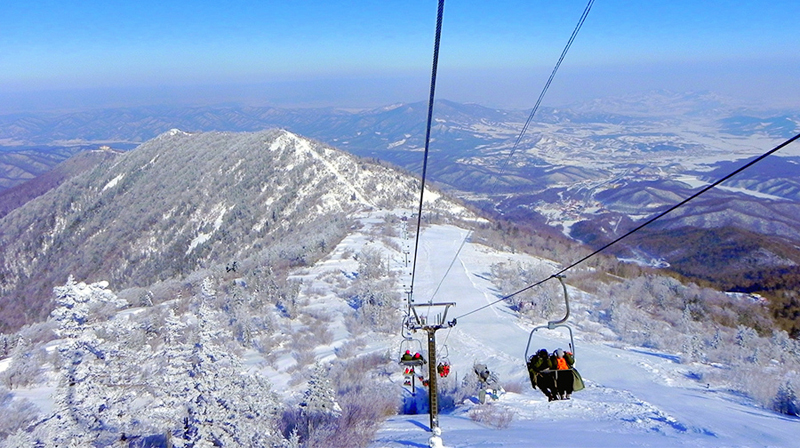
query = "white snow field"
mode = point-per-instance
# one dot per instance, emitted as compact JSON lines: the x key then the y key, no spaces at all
{"x":633,"y":396}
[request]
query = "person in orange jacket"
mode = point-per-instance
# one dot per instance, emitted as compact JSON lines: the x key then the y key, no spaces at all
{"x":566,"y":382}
{"x":558,"y":361}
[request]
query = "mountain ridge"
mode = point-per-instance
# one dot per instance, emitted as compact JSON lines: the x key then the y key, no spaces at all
{"x":186,"y":201}
{"x":630,"y":156}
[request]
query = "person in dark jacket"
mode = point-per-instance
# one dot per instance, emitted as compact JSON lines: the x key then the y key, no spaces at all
{"x":540,"y":371}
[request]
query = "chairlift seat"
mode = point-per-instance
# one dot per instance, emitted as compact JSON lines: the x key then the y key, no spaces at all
{"x":413,"y":362}
{"x":408,"y":346}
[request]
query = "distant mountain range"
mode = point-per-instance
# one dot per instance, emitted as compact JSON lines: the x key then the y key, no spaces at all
{"x":592,"y":170}
{"x":18,"y":165}
{"x":19,"y":195}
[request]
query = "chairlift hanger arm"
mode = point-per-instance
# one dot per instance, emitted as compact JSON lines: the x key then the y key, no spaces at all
{"x":553,"y":324}
{"x":549,"y":327}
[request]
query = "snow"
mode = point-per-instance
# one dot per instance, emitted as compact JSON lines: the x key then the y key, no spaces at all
{"x":150,"y":163}
{"x":431,"y":197}
{"x":694,"y":182}
{"x":304,"y":147}
{"x":634,"y":397}
{"x":203,"y":237}
{"x":396,"y":144}
{"x":174,"y":132}
{"x":113,"y":182}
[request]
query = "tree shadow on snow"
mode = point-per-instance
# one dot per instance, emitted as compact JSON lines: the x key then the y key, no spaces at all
{"x":484,"y":275}
{"x":674,"y":358}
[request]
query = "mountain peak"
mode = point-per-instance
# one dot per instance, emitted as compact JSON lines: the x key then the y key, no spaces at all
{"x":172,"y":133}
{"x":173,"y":204}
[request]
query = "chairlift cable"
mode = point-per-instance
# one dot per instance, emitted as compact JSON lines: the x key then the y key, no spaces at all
{"x":447,"y":335}
{"x":431,"y":97}
{"x":648,"y":222}
{"x":451,"y":265}
{"x":549,"y":81}
{"x":530,"y":118}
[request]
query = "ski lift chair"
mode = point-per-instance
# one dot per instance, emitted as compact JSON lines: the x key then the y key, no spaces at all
{"x":554,"y":376}
{"x":443,"y":368}
{"x":409,"y":348}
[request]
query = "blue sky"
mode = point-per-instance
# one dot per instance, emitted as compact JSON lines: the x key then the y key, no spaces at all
{"x":73,"y":54}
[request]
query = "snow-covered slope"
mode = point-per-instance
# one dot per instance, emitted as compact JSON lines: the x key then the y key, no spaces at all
{"x":634,"y":396}
{"x":227,"y":216}
{"x":186,"y":201}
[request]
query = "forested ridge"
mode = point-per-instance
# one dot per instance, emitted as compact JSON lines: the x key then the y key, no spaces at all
{"x":184,"y":202}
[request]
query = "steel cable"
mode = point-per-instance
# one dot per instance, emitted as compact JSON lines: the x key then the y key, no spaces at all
{"x":530,"y":118}
{"x":439,"y":16}
{"x":646,"y":223}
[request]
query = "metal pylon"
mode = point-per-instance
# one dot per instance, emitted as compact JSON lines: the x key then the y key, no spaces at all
{"x":419,"y":322}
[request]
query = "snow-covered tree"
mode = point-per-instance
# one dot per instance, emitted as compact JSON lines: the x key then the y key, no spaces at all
{"x":89,"y":397}
{"x":206,"y":400}
{"x":786,"y":401}
{"x":16,"y":413}
{"x":545,"y":301}
{"x":113,"y":386}
{"x":75,"y":303}
{"x":371,"y":264}
{"x":315,"y":421}
{"x":320,"y":397}
{"x":19,"y":439}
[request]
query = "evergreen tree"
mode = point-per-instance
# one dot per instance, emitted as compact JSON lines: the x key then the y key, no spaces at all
{"x":320,"y":397}
{"x":786,"y":401}
{"x":88,"y":401}
{"x":206,"y":399}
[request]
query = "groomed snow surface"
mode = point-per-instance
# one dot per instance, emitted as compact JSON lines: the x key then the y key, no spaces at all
{"x":633,"y":396}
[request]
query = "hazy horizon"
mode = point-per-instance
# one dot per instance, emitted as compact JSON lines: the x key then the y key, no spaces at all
{"x":56,"y":56}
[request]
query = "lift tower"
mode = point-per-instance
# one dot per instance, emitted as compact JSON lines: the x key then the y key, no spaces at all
{"x":429,"y":324}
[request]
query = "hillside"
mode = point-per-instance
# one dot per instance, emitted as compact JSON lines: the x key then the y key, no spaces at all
{"x":19,"y":195}
{"x":575,"y":162}
{"x":18,"y":165}
{"x":655,"y":376}
{"x":635,"y":396}
{"x":183,"y":202}
{"x":247,"y":290}
{"x":588,"y":170}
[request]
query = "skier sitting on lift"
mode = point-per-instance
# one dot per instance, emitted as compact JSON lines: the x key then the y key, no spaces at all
{"x":443,"y":369}
{"x":566,"y":382}
{"x":487,"y":382}
{"x":540,"y":371}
